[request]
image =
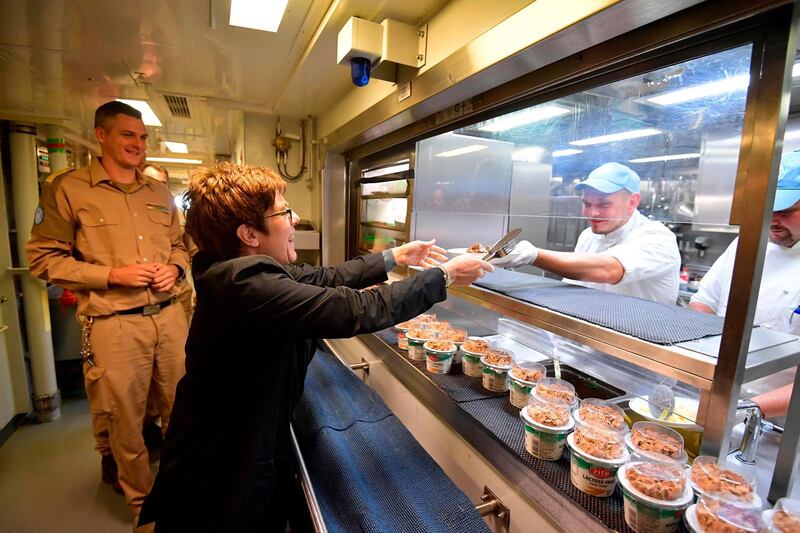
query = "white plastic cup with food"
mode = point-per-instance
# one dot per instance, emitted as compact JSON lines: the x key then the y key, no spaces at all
{"x":547,"y":425}
{"x":471,"y":352}
{"x":651,"y":441}
{"x":655,"y":495}
{"x":459,"y":337}
{"x":720,"y":479}
{"x":603,"y":413}
{"x":439,"y":355}
{"x":557,"y":390}
{"x":714,"y":514}
{"x":417,"y":337}
{"x":523,"y":378}
{"x":401,"y":330}
{"x":784,"y":517}
{"x":596,"y":456}
{"x":496,"y":365}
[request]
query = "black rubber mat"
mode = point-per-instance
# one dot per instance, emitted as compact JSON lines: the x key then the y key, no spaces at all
{"x":644,"y":319}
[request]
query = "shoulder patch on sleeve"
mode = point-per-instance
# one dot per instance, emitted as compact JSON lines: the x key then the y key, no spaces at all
{"x":38,"y":217}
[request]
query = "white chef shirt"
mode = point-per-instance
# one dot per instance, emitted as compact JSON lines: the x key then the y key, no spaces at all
{"x":778,"y":296}
{"x":647,"y":250}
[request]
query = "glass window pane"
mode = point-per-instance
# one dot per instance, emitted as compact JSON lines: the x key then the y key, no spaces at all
{"x":389,"y":211}
{"x":378,"y":239}
{"x":384,"y":187}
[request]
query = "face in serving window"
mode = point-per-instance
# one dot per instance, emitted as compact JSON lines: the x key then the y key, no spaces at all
{"x":608,"y":212}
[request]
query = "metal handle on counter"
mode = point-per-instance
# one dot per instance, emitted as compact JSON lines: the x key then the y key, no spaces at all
{"x":314,"y":511}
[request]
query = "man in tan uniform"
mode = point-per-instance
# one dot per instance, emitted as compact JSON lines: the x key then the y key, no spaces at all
{"x":112,"y":236}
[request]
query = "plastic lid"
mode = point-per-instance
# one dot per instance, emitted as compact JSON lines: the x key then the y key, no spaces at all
{"x":661,"y":481}
{"x":499,"y":358}
{"x":409,"y":324}
{"x":456,"y":335}
{"x":427,"y":317}
{"x":600,"y":412}
{"x":599,"y":442}
{"x":438,"y":326}
{"x":476,"y":345}
{"x":721,"y":515}
{"x":420,"y":334}
{"x":546,"y":413}
{"x":555,"y":390}
{"x":726,"y":482}
{"x":654,"y":440}
{"x":528,"y":371}
{"x":789,"y":506}
{"x":440,"y":345}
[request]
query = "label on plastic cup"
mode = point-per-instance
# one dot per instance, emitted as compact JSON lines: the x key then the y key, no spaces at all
{"x":471,"y":366}
{"x":544,"y":445}
{"x":594,"y":479}
{"x":438,"y":363}
{"x":416,"y":351}
{"x":519,"y":394}
{"x":402,"y":341}
{"x":495,"y":381}
{"x":642,"y":517}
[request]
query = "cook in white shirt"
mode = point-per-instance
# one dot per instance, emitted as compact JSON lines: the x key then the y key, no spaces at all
{"x":622,"y":251}
{"x":779,"y":294}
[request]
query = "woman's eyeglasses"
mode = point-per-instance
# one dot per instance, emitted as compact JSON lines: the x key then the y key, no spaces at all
{"x":288,"y":212}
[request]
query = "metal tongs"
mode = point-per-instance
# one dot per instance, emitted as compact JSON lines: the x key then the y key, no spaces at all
{"x":502,"y":247}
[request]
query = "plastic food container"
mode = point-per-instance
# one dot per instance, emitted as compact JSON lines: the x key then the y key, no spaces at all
{"x":496,"y":365}
{"x":458,"y":336}
{"x":523,"y":378}
{"x":655,"y":495}
{"x":416,"y":339}
{"x":438,"y":327}
{"x":557,"y":391}
{"x":726,"y":482}
{"x":713,"y":514}
{"x":471,"y":352}
{"x":545,"y":435}
{"x":601,"y":413}
{"x":784,"y":517}
{"x":401,"y":329}
{"x":650,"y":441}
{"x":681,"y":420}
{"x":426,"y":317}
{"x":596,"y":456}
{"x":439,"y":355}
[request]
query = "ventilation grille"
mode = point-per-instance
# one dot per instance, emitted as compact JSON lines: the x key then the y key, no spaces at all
{"x":178,"y":105}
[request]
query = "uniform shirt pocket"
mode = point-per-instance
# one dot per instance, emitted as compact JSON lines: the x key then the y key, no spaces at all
{"x":97,"y":230}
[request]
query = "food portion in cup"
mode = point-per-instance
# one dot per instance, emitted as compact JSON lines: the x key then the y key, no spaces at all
{"x":438,"y":327}
{"x":653,"y":441}
{"x":590,"y":474}
{"x":426,"y":317}
{"x":401,"y":330}
{"x":599,"y":442}
{"x":784,"y":517}
{"x":439,"y":355}
{"x":417,"y":337}
{"x":557,"y":391}
{"x":724,"y":482}
{"x":471,"y":352}
{"x":523,"y":377}
{"x":546,"y":429}
{"x":717,"y":515}
{"x":655,"y":495}
{"x":496,"y":364}
{"x":602,"y":413}
{"x":457,"y":335}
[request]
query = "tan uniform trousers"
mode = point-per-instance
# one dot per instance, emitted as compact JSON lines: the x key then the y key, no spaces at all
{"x":134,"y":353}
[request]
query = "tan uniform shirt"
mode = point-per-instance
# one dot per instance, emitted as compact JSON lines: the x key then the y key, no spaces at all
{"x":86,"y":224}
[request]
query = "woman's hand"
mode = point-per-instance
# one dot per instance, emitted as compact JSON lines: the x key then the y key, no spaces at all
{"x":419,"y":253}
{"x":465,"y":269}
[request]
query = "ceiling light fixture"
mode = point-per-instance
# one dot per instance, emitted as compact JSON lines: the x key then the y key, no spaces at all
{"x":566,"y":152}
{"x":176,"y":147}
{"x":728,"y":85}
{"x":612,"y":137}
{"x":662,"y":158}
{"x":461,"y":151}
{"x":148,"y":115}
{"x":527,"y":116}
{"x":177,"y":160}
{"x":264,"y":15}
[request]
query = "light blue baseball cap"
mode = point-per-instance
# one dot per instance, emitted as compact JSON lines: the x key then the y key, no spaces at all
{"x":788,"y":190}
{"x":610,"y":178}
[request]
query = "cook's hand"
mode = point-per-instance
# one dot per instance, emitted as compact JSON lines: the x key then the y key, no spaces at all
{"x":419,"y":253}
{"x":465,"y":269}
{"x":522,"y":254}
{"x":137,"y":275}
{"x":165,"y":277}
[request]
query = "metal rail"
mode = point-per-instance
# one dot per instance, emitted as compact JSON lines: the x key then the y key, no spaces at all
{"x":314,"y":510}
